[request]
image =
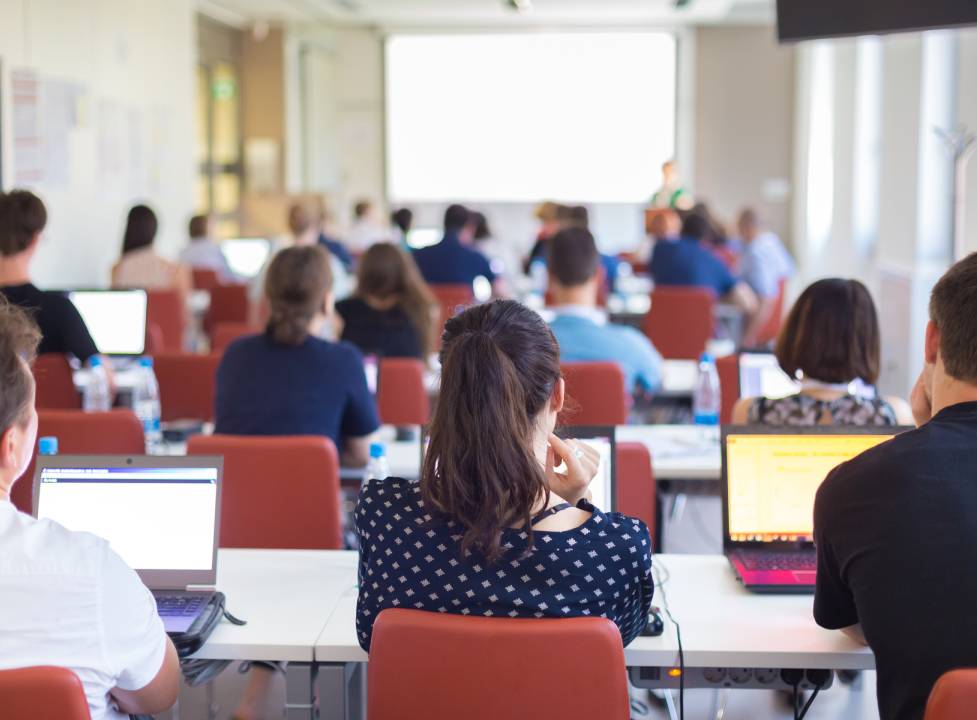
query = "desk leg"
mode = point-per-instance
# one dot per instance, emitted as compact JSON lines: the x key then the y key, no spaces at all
{"x":341,"y":688}
{"x":300,"y":684}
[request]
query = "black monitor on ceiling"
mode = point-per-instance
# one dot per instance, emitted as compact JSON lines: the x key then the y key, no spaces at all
{"x":809,"y":19}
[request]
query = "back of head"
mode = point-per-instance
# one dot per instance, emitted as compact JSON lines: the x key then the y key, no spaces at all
{"x":403,"y":218}
{"x":499,"y":366}
{"x":580,"y":216}
{"x":953,"y":309}
{"x":199,"y":227}
{"x":665,"y":224}
{"x":22,"y":217}
{"x":546,"y":211}
{"x":572,"y":258}
{"x":19,"y":338}
{"x":385,"y":272}
{"x":296,"y":285}
{"x":456,"y":217}
{"x":361,"y":209}
{"x":141,"y":227}
{"x":480,"y":223}
{"x":696,"y":226}
{"x":832,"y":334}
{"x":299,"y":219}
{"x":748,"y":223}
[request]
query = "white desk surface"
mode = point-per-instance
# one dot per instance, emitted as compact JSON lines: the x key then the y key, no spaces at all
{"x":286,"y":597}
{"x":678,"y":452}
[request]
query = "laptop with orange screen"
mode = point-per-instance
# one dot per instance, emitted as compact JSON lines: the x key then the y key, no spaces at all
{"x":770,"y":477}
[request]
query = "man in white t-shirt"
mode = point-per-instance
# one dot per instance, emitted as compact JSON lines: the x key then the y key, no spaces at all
{"x":66,"y":598}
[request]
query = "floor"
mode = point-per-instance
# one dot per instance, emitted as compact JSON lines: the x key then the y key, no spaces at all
{"x":693,"y":524}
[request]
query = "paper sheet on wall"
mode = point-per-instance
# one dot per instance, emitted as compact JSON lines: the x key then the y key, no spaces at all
{"x":28,"y":151}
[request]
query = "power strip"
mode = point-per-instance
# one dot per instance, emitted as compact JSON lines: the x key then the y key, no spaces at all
{"x":667,"y":678}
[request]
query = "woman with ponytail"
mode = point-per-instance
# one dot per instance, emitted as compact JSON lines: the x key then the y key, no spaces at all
{"x":501,"y":522}
{"x":290,"y":382}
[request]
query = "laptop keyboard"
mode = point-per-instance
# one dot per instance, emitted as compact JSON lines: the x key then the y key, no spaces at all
{"x":779,"y":561}
{"x":179,"y":605}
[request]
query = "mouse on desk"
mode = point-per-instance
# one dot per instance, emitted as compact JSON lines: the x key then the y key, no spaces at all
{"x":656,"y":625}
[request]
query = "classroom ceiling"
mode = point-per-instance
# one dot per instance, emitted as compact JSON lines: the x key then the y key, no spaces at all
{"x":489,"y":13}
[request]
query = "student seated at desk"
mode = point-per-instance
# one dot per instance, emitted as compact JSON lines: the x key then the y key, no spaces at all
{"x":505,"y":534}
{"x":68,"y":599}
{"x":831,"y":340}
{"x":140,"y":266}
{"x":392,"y":312}
{"x":896,"y":528}
{"x":203,"y":252}
{"x":581,"y":327}
{"x":288,"y":381}
{"x":453,"y":261}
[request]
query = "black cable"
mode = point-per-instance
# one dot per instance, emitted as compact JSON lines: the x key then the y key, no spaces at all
{"x":660,"y":584}
{"x":796,"y":703}
{"x":810,"y":701}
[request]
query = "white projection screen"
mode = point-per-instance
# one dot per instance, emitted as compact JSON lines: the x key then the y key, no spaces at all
{"x":586,"y":117}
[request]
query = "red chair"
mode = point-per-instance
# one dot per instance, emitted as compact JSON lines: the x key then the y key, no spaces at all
{"x":771,"y":328}
{"x":116,"y":432}
{"x":204,"y":279}
{"x":728,"y":369}
{"x":187,"y":384}
{"x":452,"y":299}
{"x":278,"y":492}
{"x":636,"y":490}
{"x":42,"y":692}
{"x":680,"y":321}
{"x":444,"y":667}
{"x":401,"y":395}
{"x":55,"y":383}
{"x":954,"y":696}
{"x":228,"y":304}
{"x":155,"y":343}
{"x":166,"y":309}
{"x":596,"y":394}
{"x":227,"y":332}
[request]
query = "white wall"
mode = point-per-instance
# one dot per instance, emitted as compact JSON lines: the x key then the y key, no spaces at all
{"x":133,"y":139}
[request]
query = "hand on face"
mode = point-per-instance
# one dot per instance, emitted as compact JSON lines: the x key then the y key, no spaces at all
{"x":921,"y":398}
{"x":582,"y":463}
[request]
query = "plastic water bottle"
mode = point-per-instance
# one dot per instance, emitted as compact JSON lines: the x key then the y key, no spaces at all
{"x":97,"y":397}
{"x":378,"y":468}
{"x":706,"y":400}
{"x":47,"y":446}
{"x":145,"y":403}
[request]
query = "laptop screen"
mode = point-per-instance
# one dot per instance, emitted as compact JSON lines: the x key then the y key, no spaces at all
{"x":771,"y":481}
{"x":116,"y":319}
{"x":246,"y":256}
{"x":761,"y":376}
{"x":155,"y":518}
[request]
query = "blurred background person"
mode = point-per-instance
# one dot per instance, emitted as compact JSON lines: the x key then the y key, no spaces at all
{"x":401,"y":221}
{"x":203,"y":252}
{"x":140,"y":266}
{"x":671,"y":194}
{"x":366,"y":228}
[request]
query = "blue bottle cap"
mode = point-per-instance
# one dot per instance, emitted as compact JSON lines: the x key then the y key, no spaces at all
{"x":95,"y":361}
{"x":376,"y":450}
{"x":707,"y":358}
{"x":146,"y":361}
{"x":47,"y":446}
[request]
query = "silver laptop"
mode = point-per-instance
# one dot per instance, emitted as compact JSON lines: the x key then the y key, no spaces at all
{"x":160,"y":514}
{"x":116,"y":319}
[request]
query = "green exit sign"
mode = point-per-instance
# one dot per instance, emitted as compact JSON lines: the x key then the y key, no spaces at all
{"x":224,"y":88}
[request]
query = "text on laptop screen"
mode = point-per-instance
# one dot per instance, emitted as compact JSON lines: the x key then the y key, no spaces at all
{"x":116,"y":319}
{"x":155,"y":518}
{"x":761,"y":376}
{"x":246,"y":256}
{"x":772,"y":481}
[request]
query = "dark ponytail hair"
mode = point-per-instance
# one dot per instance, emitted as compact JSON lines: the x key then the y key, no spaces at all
{"x":141,"y":227}
{"x":22,"y":217}
{"x":499,"y":366}
{"x":296,"y":285}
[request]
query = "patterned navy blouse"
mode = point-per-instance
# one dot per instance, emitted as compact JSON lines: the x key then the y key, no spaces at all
{"x":410,"y":560}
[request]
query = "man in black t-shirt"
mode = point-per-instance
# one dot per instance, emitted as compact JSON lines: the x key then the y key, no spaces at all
{"x":896,"y":528}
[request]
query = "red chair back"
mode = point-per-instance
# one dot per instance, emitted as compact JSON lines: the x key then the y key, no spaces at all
{"x":680,"y":321}
{"x":55,"y":383}
{"x":444,"y":667}
{"x":636,"y":490}
{"x":771,"y":328}
{"x":166,"y":310}
{"x":116,"y":432}
{"x":452,"y":299}
{"x":228,"y":304}
{"x":728,"y":369}
{"x":596,"y":394}
{"x":227,"y":332}
{"x":401,"y":395}
{"x":42,"y":692}
{"x":278,"y":492}
{"x":187,"y":384}
{"x":204,"y":279}
{"x":954,"y":696}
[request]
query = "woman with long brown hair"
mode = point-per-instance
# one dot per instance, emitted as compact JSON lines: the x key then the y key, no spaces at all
{"x":501,"y":522}
{"x":392,"y":312}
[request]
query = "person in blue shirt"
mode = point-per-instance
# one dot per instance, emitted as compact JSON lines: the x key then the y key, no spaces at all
{"x":287,"y":381}
{"x":453,"y":261}
{"x":581,"y":327}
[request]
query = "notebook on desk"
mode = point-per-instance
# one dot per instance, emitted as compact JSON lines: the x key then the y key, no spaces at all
{"x":160,"y":514}
{"x":770,"y":477}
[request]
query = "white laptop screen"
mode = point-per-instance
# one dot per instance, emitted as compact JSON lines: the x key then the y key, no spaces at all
{"x":116,"y":319}
{"x":246,"y":256}
{"x":601,"y":489}
{"x":761,"y":376}
{"x":156,"y":518}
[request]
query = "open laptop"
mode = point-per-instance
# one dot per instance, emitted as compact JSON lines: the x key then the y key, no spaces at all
{"x":246,"y":256}
{"x":770,"y":477}
{"x":160,"y":514}
{"x":116,"y":319}
{"x":762,"y":376}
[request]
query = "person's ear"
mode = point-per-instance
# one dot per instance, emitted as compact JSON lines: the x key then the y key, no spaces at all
{"x":558,"y":397}
{"x":10,"y":442}
{"x":932,"y":347}
{"x":328,"y":303}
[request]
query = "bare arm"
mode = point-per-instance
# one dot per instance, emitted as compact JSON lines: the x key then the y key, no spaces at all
{"x":741,"y":411}
{"x":356,"y":451}
{"x":743,"y":297}
{"x":904,"y":413}
{"x":159,"y":695}
{"x":757,"y":320}
{"x":855,"y":633}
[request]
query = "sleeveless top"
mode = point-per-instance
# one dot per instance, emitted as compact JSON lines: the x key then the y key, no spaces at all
{"x":805,"y":411}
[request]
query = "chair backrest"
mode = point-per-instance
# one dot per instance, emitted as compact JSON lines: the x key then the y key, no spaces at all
{"x":55,"y":383}
{"x":205,"y":279}
{"x":42,"y":692}
{"x":636,"y":491}
{"x":225,"y":333}
{"x":596,"y":394}
{"x":954,"y":696}
{"x":166,"y":310}
{"x":401,"y":395}
{"x":228,"y":304}
{"x":452,"y":300}
{"x":187,"y":384}
{"x":728,"y":369}
{"x":444,"y":667}
{"x":278,"y":492}
{"x":155,"y":343}
{"x":771,"y":328}
{"x":680,"y":321}
{"x":116,"y":432}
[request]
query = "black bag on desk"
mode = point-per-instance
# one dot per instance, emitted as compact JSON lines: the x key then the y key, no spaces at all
{"x":187,"y":643}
